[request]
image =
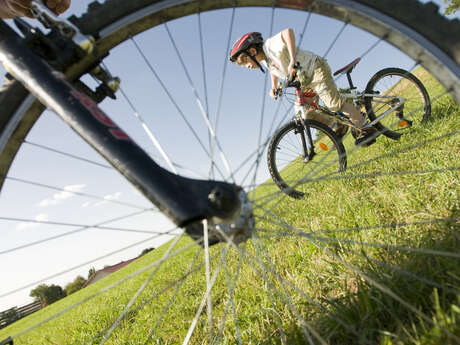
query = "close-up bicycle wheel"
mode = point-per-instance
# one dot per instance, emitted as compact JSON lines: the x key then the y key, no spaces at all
{"x":402,"y":95}
{"x":369,"y":257}
{"x":290,"y":155}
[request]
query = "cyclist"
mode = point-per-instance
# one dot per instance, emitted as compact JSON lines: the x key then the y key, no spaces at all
{"x":21,"y":8}
{"x":278,"y":54}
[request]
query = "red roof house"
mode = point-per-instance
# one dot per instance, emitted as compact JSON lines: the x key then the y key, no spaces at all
{"x":106,"y":271}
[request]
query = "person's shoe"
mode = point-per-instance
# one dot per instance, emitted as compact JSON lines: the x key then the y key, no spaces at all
{"x":366,"y":137}
{"x":339,"y":130}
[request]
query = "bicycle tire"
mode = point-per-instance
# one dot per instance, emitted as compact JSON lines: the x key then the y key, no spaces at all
{"x":418,"y":115}
{"x":102,"y":18}
{"x":431,"y":41}
{"x":293,"y":188}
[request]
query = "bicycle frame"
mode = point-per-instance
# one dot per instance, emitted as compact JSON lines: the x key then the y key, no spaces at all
{"x":354,"y":95}
{"x":185,"y":201}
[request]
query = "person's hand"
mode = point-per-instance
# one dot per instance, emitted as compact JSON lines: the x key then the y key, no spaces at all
{"x":21,"y":8}
{"x":57,"y":6}
{"x":292,"y":68}
{"x":274,"y":93}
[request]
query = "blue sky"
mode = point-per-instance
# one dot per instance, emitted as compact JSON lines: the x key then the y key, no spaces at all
{"x":240,"y":117}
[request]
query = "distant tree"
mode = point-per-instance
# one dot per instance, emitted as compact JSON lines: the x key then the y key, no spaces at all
{"x":452,"y":6}
{"x":74,"y":286}
{"x":47,"y":294}
{"x":146,"y":250}
{"x":91,"y":271}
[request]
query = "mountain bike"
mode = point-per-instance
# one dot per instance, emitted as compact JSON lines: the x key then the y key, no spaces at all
{"x":266,"y":254}
{"x":394,"y":100}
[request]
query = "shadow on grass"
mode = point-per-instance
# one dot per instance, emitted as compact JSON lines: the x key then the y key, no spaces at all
{"x":443,"y":107}
{"x":425,"y":311}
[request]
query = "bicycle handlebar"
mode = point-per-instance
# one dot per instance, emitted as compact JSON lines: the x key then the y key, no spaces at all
{"x":292,"y":81}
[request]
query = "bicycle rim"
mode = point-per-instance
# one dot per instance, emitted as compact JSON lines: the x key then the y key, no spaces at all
{"x":404,"y":98}
{"x":289,"y":162}
{"x":312,"y":270}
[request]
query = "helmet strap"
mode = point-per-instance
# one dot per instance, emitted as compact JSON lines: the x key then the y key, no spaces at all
{"x":256,"y":62}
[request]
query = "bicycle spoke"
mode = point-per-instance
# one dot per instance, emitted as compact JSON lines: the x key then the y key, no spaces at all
{"x":284,"y":295}
{"x":385,"y":290}
{"x":179,"y":110}
{"x":230,"y":302}
{"x":314,"y":239}
{"x":147,"y":130}
{"x":208,"y":276}
{"x":105,"y":289}
{"x":66,"y":154}
{"x":70,"y":192}
{"x":335,"y":39}
{"x":139,"y":291}
{"x":200,"y":105}
{"x":167,"y":233}
{"x":223,"y":78}
{"x":177,"y":283}
{"x":79,"y":230}
{"x":203,"y":301}
{"x":271,"y":269}
{"x":109,"y":228}
{"x":262,"y":111}
{"x":171,"y":300}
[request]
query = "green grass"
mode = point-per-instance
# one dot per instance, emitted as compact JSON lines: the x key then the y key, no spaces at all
{"x":391,"y":193}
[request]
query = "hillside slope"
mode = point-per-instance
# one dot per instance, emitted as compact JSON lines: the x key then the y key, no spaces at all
{"x":369,"y":256}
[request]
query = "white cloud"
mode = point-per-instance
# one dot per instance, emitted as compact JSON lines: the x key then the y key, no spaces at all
{"x":62,"y":195}
{"x":109,"y":197}
{"x":25,"y":225}
{"x":75,"y":187}
{"x":42,"y":217}
{"x":57,"y":198}
{"x":47,"y":202}
{"x":114,"y":196}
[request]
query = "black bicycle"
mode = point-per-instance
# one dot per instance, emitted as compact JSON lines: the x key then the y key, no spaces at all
{"x":256,"y":283}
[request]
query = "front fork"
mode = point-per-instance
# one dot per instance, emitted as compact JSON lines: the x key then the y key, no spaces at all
{"x":305,"y":137}
{"x":185,"y":201}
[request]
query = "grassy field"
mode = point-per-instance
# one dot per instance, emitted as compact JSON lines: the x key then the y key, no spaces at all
{"x":369,"y":256}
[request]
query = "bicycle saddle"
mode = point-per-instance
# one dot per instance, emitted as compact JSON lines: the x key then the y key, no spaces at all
{"x":348,"y":67}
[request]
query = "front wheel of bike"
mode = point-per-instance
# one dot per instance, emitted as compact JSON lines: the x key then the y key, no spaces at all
{"x":293,"y":161}
{"x":399,"y":98}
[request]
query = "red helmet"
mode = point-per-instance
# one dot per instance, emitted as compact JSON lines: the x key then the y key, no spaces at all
{"x":244,"y":43}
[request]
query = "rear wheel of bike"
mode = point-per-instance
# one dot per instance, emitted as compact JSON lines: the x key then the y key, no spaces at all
{"x":293,"y":162}
{"x":397,"y":89}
